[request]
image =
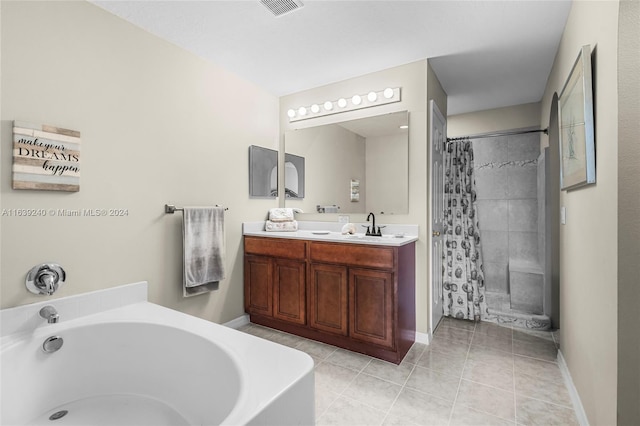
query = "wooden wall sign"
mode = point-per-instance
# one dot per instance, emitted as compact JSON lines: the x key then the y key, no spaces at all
{"x":45,"y":157}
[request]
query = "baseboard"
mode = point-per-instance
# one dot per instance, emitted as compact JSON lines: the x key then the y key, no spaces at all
{"x":573,"y":392}
{"x":423,"y":338}
{"x":238,"y":322}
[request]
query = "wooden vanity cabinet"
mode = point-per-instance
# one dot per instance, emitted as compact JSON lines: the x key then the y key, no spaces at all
{"x":357,"y":296}
{"x":328,"y":300}
{"x":371,"y":311}
{"x":289,"y":290}
{"x":275,"y":279}
{"x":258,"y":288}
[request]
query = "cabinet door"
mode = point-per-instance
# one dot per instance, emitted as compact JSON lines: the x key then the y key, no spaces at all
{"x":258,"y":285}
{"x":328,"y":298}
{"x":289,"y":291}
{"x":371,"y":306}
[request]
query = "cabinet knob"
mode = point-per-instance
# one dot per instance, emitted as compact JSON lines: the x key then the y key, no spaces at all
{"x":436,"y":233}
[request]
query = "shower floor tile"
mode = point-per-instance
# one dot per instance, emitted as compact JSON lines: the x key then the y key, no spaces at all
{"x":518,"y":367}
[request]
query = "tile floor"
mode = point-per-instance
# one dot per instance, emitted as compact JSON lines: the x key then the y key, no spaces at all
{"x":470,"y":374}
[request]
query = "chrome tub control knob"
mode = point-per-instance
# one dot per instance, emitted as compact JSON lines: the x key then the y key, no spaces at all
{"x":45,"y":278}
{"x":50,"y":314}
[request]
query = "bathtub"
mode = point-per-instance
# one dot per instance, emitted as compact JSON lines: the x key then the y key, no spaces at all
{"x":143,"y":364}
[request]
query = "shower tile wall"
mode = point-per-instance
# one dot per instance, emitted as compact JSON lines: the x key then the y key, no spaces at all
{"x":506,"y":183}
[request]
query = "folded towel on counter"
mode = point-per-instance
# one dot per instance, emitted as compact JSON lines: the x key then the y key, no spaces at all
{"x":204,"y":249}
{"x":282,"y":214}
{"x":281,"y":226}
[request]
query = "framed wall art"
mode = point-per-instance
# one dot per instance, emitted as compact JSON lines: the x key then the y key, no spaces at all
{"x":575,"y":115}
{"x":263,"y":172}
{"x":45,"y":157}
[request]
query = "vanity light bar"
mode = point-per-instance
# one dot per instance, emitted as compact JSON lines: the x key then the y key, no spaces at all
{"x":383,"y":97}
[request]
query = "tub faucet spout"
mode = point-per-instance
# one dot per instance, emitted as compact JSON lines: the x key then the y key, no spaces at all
{"x":50,"y":314}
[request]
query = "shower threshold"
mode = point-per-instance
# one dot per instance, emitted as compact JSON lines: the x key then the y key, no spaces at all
{"x":500,"y":312}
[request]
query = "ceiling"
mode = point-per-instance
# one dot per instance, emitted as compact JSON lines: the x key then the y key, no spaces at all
{"x":486,"y":54}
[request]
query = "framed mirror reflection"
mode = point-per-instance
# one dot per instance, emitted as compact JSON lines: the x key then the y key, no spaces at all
{"x":368,"y":157}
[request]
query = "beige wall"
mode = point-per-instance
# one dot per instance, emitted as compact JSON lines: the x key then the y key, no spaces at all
{"x":588,"y":241}
{"x":414,"y":79}
{"x":628,"y":208}
{"x":494,"y":120}
{"x":158,"y":126}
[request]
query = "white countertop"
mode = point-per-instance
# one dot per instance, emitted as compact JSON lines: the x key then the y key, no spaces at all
{"x":392,"y":235}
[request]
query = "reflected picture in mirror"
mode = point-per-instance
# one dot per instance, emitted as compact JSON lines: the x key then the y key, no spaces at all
{"x":373,"y":151}
{"x":293,"y":176}
{"x":263,"y":172}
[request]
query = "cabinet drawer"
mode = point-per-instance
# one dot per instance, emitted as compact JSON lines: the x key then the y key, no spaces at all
{"x":355,"y":255}
{"x":276,"y":247}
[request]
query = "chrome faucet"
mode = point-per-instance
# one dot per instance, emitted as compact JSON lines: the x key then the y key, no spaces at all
{"x":373,"y":232}
{"x":50,"y":314}
{"x":45,"y":278}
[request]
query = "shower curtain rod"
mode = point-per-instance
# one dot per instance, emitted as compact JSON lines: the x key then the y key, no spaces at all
{"x":496,"y":134}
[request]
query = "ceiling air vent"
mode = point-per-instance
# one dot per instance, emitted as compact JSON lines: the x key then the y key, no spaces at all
{"x":281,"y":7}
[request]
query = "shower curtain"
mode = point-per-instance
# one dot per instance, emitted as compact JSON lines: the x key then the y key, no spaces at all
{"x":463,"y":279}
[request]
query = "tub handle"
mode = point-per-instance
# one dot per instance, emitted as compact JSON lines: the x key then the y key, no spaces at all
{"x":45,"y":278}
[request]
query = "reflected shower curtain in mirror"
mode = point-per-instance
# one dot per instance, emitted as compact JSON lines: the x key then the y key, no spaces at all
{"x":463,"y":279}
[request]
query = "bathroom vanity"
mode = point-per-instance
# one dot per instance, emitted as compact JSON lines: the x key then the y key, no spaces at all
{"x":354,"y":292}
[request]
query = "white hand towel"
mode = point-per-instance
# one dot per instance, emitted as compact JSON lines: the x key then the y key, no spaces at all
{"x":282,"y":214}
{"x":204,"y":249}
{"x":281,"y":226}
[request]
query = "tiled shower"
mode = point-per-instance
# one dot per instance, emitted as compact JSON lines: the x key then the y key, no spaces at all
{"x":509,"y":174}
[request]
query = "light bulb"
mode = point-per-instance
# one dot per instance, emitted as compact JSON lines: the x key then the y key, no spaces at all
{"x":328,"y":105}
{"x":372,"y":96}
{"x":342,"y":102}
{"x":357,"y":100}
{"x":315,"y":108}
{"x":302,"y":111}
{"x":388,"y":93}
{"x":291,"y":113}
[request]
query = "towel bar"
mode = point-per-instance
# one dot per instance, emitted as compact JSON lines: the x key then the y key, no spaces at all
{"x":171,"y":209}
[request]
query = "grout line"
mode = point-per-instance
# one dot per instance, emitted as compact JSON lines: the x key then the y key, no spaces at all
{"x":484,"y":384}
{"x":566,"y":407}
{"x":515,"y":396}
{"x":340,"y":394}
{"x":455,"y":400}
{"x":533,"y":357}
{"x":402,"y":388}
{"x":489,"y":386}
{"x":318,"y":416}
{"x":356,"y":401}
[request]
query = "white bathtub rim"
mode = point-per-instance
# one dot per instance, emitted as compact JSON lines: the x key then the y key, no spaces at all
{"x":249,"y":404}
{"x":25,"y":318}
{"x":138,"y":313}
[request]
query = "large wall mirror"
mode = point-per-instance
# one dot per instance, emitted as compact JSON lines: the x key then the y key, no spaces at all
{"x":356,"y":166}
